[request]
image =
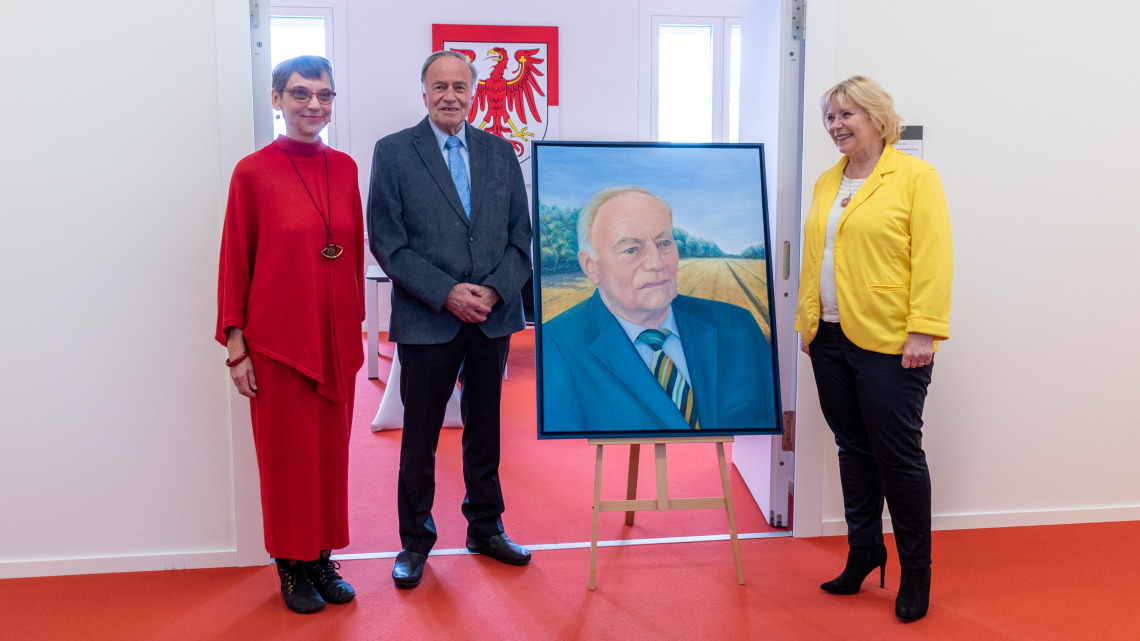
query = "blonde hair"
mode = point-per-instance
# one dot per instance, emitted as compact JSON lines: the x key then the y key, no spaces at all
{"x":869,"y":96}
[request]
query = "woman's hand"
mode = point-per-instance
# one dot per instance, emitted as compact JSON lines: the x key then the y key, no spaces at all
{"x":242,"y":373}
{"x":918,"y":350}
{"x":804,"y":348}
{"x":243,"y":378}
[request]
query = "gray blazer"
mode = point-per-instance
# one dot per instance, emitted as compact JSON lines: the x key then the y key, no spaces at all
{"x":424,"y":242}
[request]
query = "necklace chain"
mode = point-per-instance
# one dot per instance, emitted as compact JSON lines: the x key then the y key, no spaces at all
{"x":853,"y":184}
{"x":330,"y":250}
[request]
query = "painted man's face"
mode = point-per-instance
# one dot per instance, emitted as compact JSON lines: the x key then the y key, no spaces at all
{"x":635,"y":258}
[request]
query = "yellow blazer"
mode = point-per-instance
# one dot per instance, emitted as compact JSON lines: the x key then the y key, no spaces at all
{"x":893,"y":255}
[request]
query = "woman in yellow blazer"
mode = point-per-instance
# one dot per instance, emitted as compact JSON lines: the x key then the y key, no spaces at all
{"x":874,"y":302}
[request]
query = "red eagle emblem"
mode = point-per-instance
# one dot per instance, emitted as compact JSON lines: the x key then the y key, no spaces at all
{"x":497,"y":98}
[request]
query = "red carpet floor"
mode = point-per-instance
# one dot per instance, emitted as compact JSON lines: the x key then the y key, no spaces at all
{"x":1060,"y":583}
{"x":1074,"y":582}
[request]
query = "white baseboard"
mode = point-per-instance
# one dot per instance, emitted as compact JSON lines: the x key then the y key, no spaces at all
{"x":229,"y":558}
{"x":122,"y":563}
{"x":1011,"y":519}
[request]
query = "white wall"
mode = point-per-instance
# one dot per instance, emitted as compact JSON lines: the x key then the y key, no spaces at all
{"x":113,"y":405}
{"x":1033,"y":413}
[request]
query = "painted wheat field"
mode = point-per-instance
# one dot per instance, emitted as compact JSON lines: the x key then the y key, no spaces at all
{"x":740,"y":281}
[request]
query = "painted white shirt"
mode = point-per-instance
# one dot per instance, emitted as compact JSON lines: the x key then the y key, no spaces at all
{"x":671,"y":346}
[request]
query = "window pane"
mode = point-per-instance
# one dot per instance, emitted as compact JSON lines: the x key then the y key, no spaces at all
{"x":685,"y":83}
{"x":292,"y":36}
{"x":734,"y":85}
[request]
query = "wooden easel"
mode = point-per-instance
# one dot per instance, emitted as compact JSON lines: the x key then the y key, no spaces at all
{"x":662,"y":502}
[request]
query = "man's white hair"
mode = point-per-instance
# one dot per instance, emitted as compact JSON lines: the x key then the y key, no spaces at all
{"x":589,"y":211}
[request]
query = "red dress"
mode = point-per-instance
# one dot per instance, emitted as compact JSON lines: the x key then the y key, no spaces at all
{"x":300,"y":313}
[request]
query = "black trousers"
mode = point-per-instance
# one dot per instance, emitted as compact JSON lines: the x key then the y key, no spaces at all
{"x":874,"y":407}
{"x":427,"y":380}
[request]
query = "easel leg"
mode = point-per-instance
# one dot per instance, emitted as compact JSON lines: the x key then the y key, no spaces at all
{"x":662,"y":477}
{"x":728,"y":507}
{"x":631,"y":484}
{"x":597,"y":512}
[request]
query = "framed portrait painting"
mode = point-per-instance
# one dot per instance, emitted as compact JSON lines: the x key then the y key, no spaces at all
{"x":652,"y":291}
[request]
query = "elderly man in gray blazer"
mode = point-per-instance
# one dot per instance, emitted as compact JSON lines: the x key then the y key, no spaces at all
{"x":448,"y":221}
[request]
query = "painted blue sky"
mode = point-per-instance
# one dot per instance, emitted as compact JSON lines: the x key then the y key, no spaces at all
{"x":715,"y":193}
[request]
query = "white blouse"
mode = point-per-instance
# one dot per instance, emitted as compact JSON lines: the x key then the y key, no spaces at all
{"x":828,"y":300}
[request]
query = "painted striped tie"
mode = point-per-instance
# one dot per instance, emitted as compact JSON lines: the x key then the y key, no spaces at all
{"x":669,"y":376}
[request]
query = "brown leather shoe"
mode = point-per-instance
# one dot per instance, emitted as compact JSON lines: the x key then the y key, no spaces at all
{"x":501,"y":548}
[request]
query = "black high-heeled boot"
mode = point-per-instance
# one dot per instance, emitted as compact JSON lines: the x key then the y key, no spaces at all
{"x":861,"y":560}
{"x":914,"y":595}
{"x":300,"y":594}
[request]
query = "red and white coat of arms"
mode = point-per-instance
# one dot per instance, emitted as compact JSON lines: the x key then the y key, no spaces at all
{"x":517,"y":96}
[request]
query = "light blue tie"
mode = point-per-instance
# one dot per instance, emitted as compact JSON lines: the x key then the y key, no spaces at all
{"x":459,"y":173}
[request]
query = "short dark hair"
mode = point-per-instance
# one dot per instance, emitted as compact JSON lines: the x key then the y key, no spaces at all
{"x":449,"y":54}
{"x":311,"y":67}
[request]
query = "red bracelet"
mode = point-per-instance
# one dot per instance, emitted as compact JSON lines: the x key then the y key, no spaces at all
{"x":240,"y":357}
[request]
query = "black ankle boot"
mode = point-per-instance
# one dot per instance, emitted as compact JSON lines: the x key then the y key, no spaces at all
{"x":914,"y":595}
{"x":297,"y":588}
{"x":330,"y":585}
{"x":860,"y":561}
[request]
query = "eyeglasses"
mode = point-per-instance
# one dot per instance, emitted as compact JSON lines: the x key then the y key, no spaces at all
{"x":301,"y":94}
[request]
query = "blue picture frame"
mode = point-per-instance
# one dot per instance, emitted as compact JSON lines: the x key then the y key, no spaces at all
{"x":593,"y":379}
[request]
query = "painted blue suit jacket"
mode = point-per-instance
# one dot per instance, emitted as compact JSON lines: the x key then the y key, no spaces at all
{"x":593,"y":379}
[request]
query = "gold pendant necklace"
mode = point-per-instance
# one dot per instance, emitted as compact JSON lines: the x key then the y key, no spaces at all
{"x":850,"y":182}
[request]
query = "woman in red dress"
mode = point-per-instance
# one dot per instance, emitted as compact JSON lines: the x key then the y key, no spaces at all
{"x":290,"y":303}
